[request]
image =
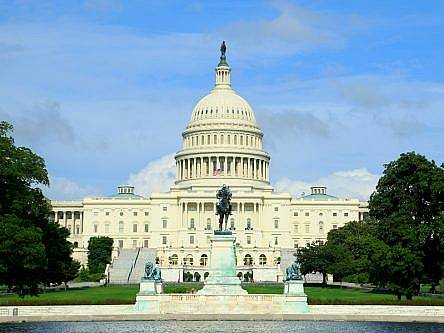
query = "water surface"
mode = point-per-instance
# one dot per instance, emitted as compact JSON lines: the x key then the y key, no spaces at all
{"x":217,"y":326}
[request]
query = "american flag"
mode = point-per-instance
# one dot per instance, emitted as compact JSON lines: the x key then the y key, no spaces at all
{"x":217,"y":172}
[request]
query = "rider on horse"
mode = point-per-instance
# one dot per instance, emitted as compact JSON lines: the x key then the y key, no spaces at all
{"x":224,"y":205}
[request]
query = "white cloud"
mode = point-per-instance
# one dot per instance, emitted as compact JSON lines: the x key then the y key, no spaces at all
{"x":357,"y":183}
{"x":157,"y":176}
{"x":61,"y":188}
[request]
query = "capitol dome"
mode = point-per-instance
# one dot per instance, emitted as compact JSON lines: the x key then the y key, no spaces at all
{"x":222,"y":142}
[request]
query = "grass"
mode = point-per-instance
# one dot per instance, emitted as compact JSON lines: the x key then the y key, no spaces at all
{"x":127,"y":295}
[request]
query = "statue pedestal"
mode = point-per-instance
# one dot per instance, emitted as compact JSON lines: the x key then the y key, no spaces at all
{"x":222,"y":279}
{"x":294,"y":287}
{"x":150,"y":287}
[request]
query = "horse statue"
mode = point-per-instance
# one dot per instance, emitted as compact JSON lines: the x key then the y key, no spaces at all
{"x":293,"y":272}
{"x":223,"y":206}
{"x":151,"y":272}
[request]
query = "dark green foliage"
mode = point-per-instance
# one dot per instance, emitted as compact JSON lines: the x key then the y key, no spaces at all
{"x":408,"y":207}
{"x":312,"y":260}
{"x":33,"y":250}
{"x":99,"y":253}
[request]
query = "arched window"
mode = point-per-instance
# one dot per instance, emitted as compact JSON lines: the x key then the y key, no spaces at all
{"x":188,"y":260}
{"x":203,"y":260}
{"x":215,"y":139}
{"x":262,"y":260}
{"x":222,"y":139}
{"x":248,"y":260}
{"x":235,"y":139}
{"x":174,"y":259}
{"x":228,"y":139}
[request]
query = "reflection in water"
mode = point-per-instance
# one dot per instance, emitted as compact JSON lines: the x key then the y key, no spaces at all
{"x":217,"y":326}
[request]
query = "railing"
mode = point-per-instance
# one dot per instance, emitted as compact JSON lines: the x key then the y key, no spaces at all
{"x":134,"y":264}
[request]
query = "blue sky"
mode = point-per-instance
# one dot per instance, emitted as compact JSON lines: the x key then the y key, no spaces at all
{"x":102,"y":89}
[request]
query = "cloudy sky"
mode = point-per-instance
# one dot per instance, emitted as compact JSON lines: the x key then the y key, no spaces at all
{"x":102,"y":89}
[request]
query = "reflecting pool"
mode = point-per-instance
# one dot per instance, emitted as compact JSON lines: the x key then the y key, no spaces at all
{"x":217,"y":326}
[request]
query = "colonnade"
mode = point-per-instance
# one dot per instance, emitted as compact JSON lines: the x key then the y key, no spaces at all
{"x":75,"y":217}
{"x":206,"y":209}
{"x":231,"y":166}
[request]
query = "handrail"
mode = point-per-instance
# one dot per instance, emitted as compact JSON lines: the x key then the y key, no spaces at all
{"x":133,"y":264}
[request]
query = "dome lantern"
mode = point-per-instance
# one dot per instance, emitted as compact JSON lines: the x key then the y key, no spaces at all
{"x":223,"y":79}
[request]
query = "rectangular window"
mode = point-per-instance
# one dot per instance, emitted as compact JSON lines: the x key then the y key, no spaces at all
{"x":134,"y":213}
{"x":296,"y":243}
{"x":276,"y":224}
{"x":276,"y":241}
{"x":145,"y":243}
{"x":164,"y":208}
{"x":164,"y":224}
{"x":134,"y":227}
{"x":248,"y":239}
{"x":335,"y":226}
{"x":191,"y":240}
{"x":307,"y":228}
{"x":134,"y":243}
{"x":107,"y":213}
{"x":120,"y":243}
{"x":192,"y":226}
{"x":276,"y":209}
{"x":164,"y":240}
{"x":335,"y":214}
{"x":95,"y":228}
{"x":120,"y":226}
{"x":295,"y":214}
{"x":296,"y":228}
{"x":307,"y":214}
{"x":345,"y":214}
{"x":147,"y":227}
{"x":107,"y":228}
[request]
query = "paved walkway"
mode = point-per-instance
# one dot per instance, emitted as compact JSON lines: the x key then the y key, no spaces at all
{"x":389,"y":313}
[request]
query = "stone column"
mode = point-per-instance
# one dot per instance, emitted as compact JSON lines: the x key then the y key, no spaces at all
{"x":81,"y":220}
{"x":225,"y":165}
{"x":73,"y":222}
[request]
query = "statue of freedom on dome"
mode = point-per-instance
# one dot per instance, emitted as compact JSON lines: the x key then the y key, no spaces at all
{"x":223,"y":206}
{"x":223,"y":59}
{"x":223,"y":49}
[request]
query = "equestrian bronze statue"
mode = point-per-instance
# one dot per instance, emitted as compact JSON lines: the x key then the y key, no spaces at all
{"x":223,"y":206}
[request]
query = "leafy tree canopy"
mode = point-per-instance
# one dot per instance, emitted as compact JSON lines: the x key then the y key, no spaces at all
{"x":33,"y":249}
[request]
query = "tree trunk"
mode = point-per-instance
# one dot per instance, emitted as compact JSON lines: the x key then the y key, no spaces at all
{"x":433,"y":288}
{"x":409,"y":296}
{"x":399,"y":296}
{"x":324,"y":280}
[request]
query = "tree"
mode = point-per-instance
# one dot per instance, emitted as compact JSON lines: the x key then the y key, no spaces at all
{"x":355,"y":243}
{"x":408,"y":207}
{"x":99,"y":253}
{"x":33,"y":249}
{"x":314,"y":258}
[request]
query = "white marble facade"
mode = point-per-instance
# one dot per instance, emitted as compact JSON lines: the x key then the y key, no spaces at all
{"x":222,"y":144}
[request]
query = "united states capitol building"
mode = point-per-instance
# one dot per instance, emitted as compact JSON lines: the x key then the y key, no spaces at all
{"x":222,"y":144}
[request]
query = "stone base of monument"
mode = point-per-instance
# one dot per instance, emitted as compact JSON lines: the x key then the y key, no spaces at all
{"x":294,"y":287}
{"x":146,"y":299}
{"x":150,"y":287}
{"x":222,"y":279}
{"x":219,"y":304}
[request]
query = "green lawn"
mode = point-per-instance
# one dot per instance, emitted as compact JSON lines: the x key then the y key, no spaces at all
{"x":127,"y":295}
